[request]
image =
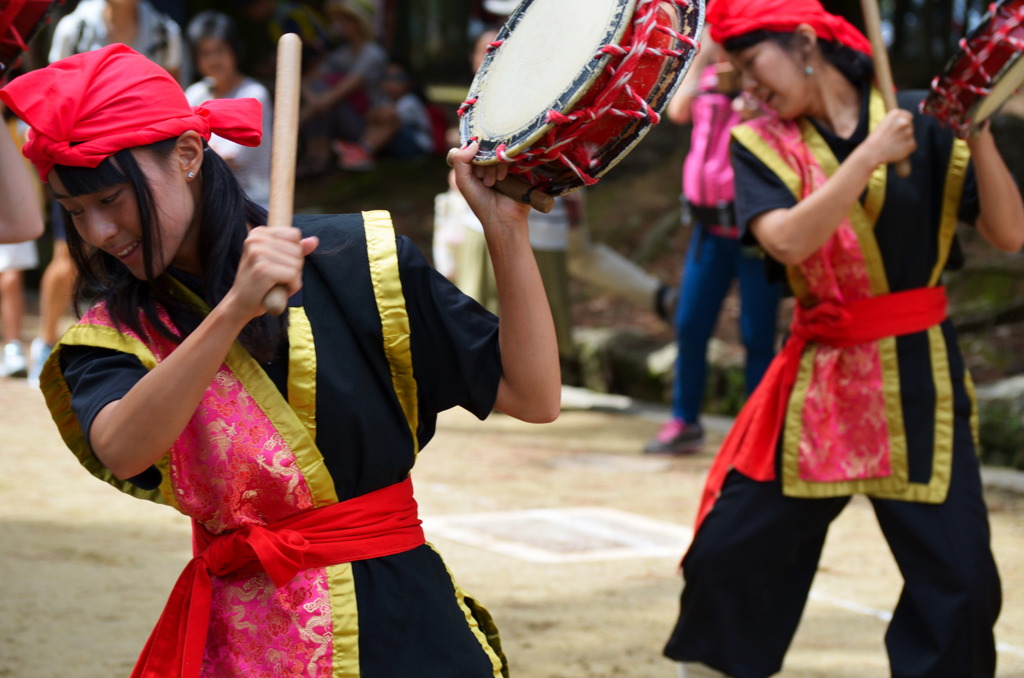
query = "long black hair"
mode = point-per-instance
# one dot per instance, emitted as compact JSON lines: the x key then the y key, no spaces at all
{"x":224,"y":215}
{"x":855,"y":66}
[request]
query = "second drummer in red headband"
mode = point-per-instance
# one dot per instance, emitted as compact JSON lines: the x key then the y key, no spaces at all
{"x":288,"y":440}
{"x":870,"y":394}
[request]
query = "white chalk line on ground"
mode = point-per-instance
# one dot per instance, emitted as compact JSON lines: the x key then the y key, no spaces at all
{"x":883,"y":615}
{"x":584,"y":534}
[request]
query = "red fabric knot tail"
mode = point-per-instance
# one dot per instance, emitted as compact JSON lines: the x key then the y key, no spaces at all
{"x":176,"y":645}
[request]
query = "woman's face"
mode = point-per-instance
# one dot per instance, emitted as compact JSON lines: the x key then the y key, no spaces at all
{"x":109,"y":219}
{"x":775,"y":77}
{"x":215,"y":59}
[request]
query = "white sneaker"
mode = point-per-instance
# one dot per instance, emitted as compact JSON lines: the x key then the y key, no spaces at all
{"x":15,"y":364}
{"x":38,"y":352}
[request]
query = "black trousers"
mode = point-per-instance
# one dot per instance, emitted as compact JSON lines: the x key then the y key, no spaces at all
{"x":750,"y":567}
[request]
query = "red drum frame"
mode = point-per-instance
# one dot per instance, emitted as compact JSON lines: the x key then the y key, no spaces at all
{"x":984,"y":73}
{"x":19,"y":21}
{"x":608,"y":106}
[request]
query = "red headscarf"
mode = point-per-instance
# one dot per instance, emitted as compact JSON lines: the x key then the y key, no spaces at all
{"x":89,"y":106}
{"x":733,"y":18}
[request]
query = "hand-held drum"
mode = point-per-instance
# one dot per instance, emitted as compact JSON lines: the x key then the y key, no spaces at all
{"x":19,"y":21}
{"x":569,"y":87}
{"x":984,"y":73}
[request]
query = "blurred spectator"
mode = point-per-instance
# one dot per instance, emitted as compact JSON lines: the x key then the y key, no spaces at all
{"x":17,"y":257}
{"x":217,"y":52}
{"x":97,"y":23}
{"x":708,"y":100}
{"x":469,"y":266}
{"x":401,"y":127}
{"x":263,"y":24}
{"x":340,"y":91}
{"x":20,"y":219}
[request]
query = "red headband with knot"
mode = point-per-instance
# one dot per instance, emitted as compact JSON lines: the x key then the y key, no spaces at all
{"x":89,"y":106}
{"x":733,"y":18}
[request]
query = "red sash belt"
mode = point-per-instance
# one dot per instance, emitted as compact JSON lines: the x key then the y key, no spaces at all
{"x":377,"y":524}
{"x":750,"y":445}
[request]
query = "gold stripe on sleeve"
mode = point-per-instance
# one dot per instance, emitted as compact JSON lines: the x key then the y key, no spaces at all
{"x":58,"y":399}
{"x":956,"y":172}
{"x":394,"y":318}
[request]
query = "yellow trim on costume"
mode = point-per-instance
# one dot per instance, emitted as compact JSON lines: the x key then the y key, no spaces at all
{"x":863,"y":218}
{"x":266,"y":394}
{"x":975,"y":419}
{"x":763,"y":151}
{"x":956,"y":172}
{"x":394,"y":318}
{"x":344,"y":621}
{"x":483,"y":636}
{"x":302,"y":368}
{"x":792,"y":429}
{"x":874,"y":201}
{"x":893,"y":486}
{"x":58,"y":399}
{"x":942,"y":460}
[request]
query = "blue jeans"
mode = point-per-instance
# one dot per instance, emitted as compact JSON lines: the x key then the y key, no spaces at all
{"x":712,"y":262}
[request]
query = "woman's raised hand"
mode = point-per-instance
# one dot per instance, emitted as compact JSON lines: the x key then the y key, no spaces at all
{"x":476,"y":183}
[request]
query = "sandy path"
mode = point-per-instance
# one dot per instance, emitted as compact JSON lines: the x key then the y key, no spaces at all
{"x":84,"y":571}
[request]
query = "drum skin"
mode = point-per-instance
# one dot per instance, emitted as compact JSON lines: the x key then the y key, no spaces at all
{"x":984,"y":72}
{"x":595,"y":145}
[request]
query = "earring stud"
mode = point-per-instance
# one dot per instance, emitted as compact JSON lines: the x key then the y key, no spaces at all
{"x":191,"y":175}
{"x":808,"y":70}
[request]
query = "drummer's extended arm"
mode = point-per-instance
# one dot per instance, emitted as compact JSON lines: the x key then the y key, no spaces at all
{"x":530,"y":387}
{"x":1001,"y":220}
{"x":21,"y":217}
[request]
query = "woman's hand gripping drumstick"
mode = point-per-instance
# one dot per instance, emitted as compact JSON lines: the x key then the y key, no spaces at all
{"x":498,"y":178}
{"x":282,"y":161}
{"x":880,"y":57}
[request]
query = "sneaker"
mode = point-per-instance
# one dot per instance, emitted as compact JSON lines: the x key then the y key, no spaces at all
{"x":38,"y":352}
{"x":676,"y":437}
{"x":353,"y":156}
{"x":15,"y":364}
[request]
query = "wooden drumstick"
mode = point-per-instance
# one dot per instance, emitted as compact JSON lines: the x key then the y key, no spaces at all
{"x":873,"y":23}
{"x":285,"y":141}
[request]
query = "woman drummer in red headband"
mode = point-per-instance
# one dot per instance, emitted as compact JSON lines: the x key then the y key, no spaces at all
{"x":288,"y":440}
{"x":870,"y":394}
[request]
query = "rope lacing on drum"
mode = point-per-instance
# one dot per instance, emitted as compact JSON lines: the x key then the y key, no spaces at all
{"x":7,"y":28}
{"x":948,"y":106}
{"x":567,"y":128}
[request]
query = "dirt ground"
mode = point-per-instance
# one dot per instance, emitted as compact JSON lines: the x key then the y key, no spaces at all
{"x":85,"y":571}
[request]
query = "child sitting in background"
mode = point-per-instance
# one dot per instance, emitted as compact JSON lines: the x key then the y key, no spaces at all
{"x":401,"y":127}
